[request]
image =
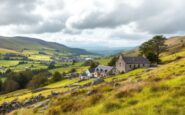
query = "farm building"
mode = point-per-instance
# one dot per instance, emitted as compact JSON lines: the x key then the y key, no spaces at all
{"x":125,"y":64}
{"x":103,"y":71}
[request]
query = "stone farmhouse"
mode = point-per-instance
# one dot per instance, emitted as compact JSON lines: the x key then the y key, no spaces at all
{"x":125,"y":64}
{"x":103,"y":71}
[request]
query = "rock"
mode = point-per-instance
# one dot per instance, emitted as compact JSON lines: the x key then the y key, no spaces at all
{"x":90,"y":92}
{"x":97,"y":81}
{"x":38,"y":90}
{"x":41,"y":104}
{"x":54,"y":94}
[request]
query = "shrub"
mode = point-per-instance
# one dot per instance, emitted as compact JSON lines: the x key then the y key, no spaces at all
{"x":56,"y":77}
{"x":132,"y":102}
{"x":54,"y":111}
{"x":121,"y":94}
{"x":157,"y":87}
{"x":94,"y":99}
{"x":110,"y":106}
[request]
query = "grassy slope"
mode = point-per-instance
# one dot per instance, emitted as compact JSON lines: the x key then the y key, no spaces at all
{"x":142,"y":91}
{"x":158,"y":91}
{"x":173,"y":43}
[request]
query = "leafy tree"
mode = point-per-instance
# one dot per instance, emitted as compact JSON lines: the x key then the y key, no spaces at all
{"x":93,"y":64}
{"x":56,"y":77}
{"x":113,"y":61}
{"x":1,"y":85}
{"x":10,"y":85}
{"x":72,"y":70}
{"x":37,"y":81}
{"x":64,"y":74}
{"x":153,"y":48}
{"x":51,"y":65}
{"x":73,"y":63}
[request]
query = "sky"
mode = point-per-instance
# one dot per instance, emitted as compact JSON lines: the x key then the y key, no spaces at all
{"x":92,"y":23}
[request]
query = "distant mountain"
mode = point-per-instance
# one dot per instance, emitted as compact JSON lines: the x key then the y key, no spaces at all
{"x":109,"y":51}
{"x":20,"y":43}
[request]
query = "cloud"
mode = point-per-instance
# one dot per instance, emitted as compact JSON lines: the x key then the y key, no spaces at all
{"x":93,"y":22}
{"x":154,"y":16}
{"x":18,"y":12}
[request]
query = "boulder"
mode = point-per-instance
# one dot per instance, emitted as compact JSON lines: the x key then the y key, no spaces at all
{"x":90,"y":92}
{"x":97,"y":81}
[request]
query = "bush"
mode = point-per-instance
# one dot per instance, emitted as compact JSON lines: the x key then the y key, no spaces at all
{"x":110,"y":106}
{"x":92,"y":100}
{"x":122,"y":94}
{"x":10,"y":85}
{"x":56,"y":77}
{"x":72,"y":70}
{"x":132,"y":102}
{"x":54,"y":111}
{"x":37,"y":81}
{"x":157,"y":87}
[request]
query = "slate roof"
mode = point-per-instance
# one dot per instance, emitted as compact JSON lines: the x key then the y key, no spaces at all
{"x":136,"y":60}
{"x":102,"y":67}
{"x":92,"y":70}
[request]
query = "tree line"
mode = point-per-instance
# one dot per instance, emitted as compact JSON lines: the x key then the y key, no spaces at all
{"x":30,"y":79}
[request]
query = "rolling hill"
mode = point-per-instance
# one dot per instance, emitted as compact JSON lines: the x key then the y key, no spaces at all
{"x":174,"y":44}
{"x":20,"y":43}
{"x":144,"y":91}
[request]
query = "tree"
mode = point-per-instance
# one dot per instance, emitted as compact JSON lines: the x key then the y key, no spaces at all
{"x":56,"y":77}
{"x":10,"y":85}
{"x":94,"y":64}
{"x":51,"y":65}
{"x":153,"y":48}
{"x":37,"y":81}
{"x":113,"y":61}
{"x":72,"y":70}
{"x":1,"y":85}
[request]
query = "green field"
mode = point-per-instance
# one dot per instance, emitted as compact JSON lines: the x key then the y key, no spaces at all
{"x":4,"y":51}
{"x":40,"y":57}
{"x":78,"y":66}
{"x":8,"y":63}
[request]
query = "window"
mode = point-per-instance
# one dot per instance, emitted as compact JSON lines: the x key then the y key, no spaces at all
{"x":120,"y":64}
{"x":130,"y":66}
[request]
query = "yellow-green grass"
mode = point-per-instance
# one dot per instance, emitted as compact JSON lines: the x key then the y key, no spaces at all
{"x":169,"y":57}
{"x":40,"y":57}
{"x":162,"y":93}
{"x":104,"y":61}
{"x":30,"y":52}
{"x":66,"y":70}
{"x":3,"y":51}
{"x":31,"y":66}
{"x":163,"y":97}
{"x":78,"y":66}
{"x":62,"y":83}
{"x":8,"y":63}
{"x":25,"y":93}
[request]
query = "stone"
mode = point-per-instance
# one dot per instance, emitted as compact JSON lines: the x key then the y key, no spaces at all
{"x":97,"y":81}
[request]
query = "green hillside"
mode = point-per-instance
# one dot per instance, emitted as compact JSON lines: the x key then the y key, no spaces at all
{"x":174,"y":44}
{"x":145,"y":91}
{"x":154,"y":91}
{"x":22,"y":43}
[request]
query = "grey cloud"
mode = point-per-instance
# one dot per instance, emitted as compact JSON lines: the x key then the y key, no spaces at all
{"x":153,"y":16}
{"x":103,"y":19}
{"x":18,"y":12}
{"x":126,"y":36}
